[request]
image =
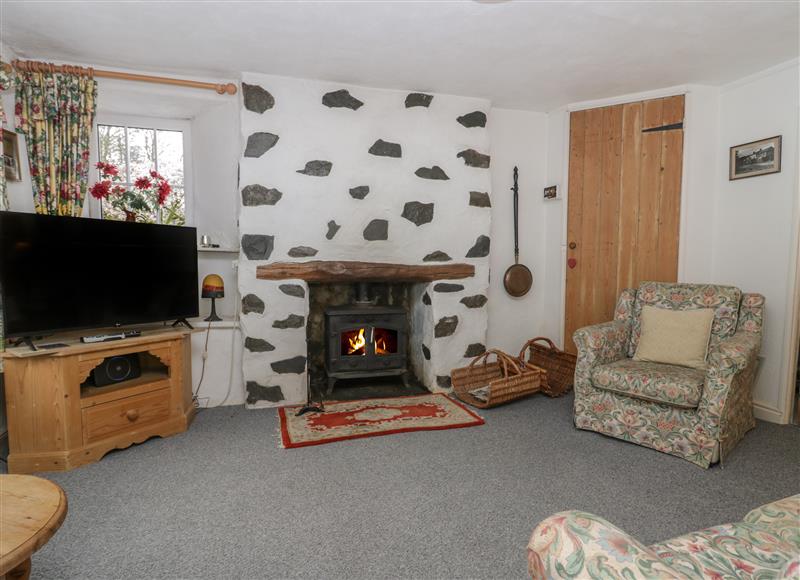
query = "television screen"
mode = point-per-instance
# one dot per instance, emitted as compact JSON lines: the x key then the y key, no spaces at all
{"x":60,"y":273}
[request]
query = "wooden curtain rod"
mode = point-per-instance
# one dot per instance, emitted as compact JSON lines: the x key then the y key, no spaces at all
{"x":36,"y":66}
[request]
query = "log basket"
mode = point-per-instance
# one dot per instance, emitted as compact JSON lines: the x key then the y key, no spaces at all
{"x":508,"y":379}
{"x":560,"y":365}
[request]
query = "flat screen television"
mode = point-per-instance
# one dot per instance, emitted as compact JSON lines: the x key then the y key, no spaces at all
{"x":64,"y":273}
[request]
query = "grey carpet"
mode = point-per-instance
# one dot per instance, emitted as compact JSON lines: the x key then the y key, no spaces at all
{"x":223,"y":501}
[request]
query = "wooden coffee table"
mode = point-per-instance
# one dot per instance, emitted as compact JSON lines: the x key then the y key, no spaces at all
{"x":31,"y":511}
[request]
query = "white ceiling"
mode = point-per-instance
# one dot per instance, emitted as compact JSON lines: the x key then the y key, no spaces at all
{"x":525,"y":55}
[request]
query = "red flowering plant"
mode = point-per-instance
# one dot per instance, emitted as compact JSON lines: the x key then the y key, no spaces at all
{"x":147,"y":194}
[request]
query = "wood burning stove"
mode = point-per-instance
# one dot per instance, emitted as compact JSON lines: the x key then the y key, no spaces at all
{"x":365,"y":340}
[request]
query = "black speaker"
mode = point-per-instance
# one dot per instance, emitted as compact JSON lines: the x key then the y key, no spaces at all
{"x":115,"y":369}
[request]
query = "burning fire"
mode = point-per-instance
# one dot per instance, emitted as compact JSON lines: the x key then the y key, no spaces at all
{"x":380,"y":346}
{"x":358,"y":343}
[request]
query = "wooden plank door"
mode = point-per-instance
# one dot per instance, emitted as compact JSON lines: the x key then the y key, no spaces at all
{"x":623,"y":214}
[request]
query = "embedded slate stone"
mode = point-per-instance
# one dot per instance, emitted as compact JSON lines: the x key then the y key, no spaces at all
{"x":256,"y":194}
{"x":317,"y":168}
{"x":333,"y":227}
{"x":359,"y":192}
{"x":294,"y":365}
{"x":291,"y":321}
{"x":252,"y":303}
{"x":259,"y":143}
{"x":473,"y":119}
{"x":480,"y":249}
{"x":257,"y":345}
{"x":445,"y":327}
{"x":302,"y":252}
{"x":295,"y":290}
{"x":479,"y":199}
{"x":418,"y":213}
{"x":426,"y":299}
{"x":418,"y":100}
{"x":426,"y":352}
{"x":475,"y":349}
{"x":341,"y":99}
{"x":256,"y":98}
{"x":434,"y":172}
{"x":443,"y":381}
{"x":257,"y":246}
{"x":386,"y":149}
{"x":376,"y":230}
{"x":256,"y":392}
{"x":447,"y":287}
{"x":437,"y":256}
{"x":476,"y":301}
{"x":474,"y":159}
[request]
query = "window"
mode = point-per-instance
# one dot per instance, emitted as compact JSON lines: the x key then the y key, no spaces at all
{"x":136,"y":151}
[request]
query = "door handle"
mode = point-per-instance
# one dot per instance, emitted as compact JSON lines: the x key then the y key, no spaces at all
{"x":572,"y":245}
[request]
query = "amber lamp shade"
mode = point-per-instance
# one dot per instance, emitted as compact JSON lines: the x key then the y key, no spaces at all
{"x":213,"y":287}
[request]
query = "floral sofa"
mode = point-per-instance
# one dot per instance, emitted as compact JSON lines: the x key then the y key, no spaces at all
{"x":694,"y":414}
{"x":575,"y":544}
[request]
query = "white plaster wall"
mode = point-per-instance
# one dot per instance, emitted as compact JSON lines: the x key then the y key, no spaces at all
{"x":555,"y":221}
{"x":309,"y":130}
{"x":215,"y":151}
{"x":700,"y":154}
{"x":222,"y":383}
{"x":518,"y":138}
{"x":755,"y":218}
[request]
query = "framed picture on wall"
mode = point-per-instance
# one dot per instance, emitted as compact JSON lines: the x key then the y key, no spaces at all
{"x":11,"y":156}
{"x":755,"y":158}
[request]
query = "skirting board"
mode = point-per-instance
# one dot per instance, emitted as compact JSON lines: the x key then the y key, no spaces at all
{"x":766,"y":413}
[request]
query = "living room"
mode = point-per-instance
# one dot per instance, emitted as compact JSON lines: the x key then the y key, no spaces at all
{"x":360,"y":215}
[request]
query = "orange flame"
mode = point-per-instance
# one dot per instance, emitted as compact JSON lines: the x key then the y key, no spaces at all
{"x":380,"y":346}
{"x":358,"y":343}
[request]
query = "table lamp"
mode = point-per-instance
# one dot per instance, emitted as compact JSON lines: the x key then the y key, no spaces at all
{"x":213,"y":287}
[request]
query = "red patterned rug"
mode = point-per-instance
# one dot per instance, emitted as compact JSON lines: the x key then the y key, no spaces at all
{"x":372,"y":417}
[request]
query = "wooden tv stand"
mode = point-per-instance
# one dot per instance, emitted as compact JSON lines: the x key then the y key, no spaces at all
{"x":58,"y":421}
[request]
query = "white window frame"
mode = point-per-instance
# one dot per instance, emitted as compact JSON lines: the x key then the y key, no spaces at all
{"x":143,"y":122}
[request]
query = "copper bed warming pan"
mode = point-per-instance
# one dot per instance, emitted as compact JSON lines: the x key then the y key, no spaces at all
{"x":518,"y":278}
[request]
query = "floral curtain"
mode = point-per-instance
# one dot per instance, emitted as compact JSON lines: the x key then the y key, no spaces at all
{"x":55,"y":112}
{"x":5,"y":83}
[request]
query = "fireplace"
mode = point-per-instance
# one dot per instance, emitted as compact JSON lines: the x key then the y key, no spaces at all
{"x":365,"y":340}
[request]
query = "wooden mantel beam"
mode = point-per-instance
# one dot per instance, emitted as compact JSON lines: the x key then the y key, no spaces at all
{"x":336,"y":271}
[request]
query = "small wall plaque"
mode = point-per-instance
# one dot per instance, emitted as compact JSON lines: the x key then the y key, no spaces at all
{"x":551,"y":192}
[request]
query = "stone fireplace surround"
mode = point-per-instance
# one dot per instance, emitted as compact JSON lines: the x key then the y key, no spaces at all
{"x":333,"y":173}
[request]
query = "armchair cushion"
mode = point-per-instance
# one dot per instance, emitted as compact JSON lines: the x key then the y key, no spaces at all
{"x":676,"y":337}
{"x":657,"y":382}
{"x":674,"y":296}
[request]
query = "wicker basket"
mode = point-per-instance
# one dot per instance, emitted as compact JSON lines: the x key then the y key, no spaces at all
{"x":507,"y":379}
{"x":560,"y":365}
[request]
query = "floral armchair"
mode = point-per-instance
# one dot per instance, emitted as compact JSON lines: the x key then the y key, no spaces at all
{"x":574,"y":544}
{"x":694,"y":414}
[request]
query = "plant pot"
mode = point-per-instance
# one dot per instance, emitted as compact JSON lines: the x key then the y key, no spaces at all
{"x":129,"y":216}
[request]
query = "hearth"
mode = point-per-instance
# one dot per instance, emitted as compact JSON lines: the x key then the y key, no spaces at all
{"x":365,"y":340}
